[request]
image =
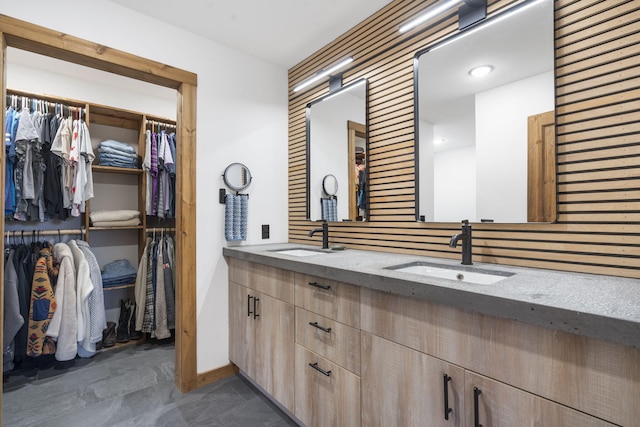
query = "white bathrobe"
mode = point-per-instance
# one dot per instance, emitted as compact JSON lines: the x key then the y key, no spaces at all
{"x":64,"y":323}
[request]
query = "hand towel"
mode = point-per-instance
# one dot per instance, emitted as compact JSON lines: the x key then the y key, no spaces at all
{"x":236,"y":214}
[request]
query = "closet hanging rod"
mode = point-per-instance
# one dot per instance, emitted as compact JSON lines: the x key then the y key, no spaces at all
{"x":161,"y":229}
{"x":153,"y":122}
{"x":14,"y":94}
{"x":67,"y":232}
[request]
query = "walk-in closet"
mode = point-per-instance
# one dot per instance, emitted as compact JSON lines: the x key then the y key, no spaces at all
{"x":128,"y":219}
{"x":100,"y":212}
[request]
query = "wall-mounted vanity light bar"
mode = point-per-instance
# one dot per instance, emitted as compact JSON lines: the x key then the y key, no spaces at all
{"x":428,"y":14}
{"x":470,"y":12}
{"x":323,"y":73}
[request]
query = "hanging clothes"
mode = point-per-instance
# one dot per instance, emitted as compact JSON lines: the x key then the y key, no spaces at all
{"x":64,"y":313}
{"x":84,"y":289}
{"x":160,"y":169}
{"x":80,"y":158}
{"x":48,"y":162}
{"x":43,"y":305}
{"x":63,"y":327}
{"x":13,"y":320}
{"x":154,"y":291}
{"x":98,"y":319}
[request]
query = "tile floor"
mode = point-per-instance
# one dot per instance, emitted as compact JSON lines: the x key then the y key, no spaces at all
{"x":132,"y":386}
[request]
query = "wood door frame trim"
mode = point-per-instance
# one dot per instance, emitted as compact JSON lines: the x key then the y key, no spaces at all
{"x":26,"y":36}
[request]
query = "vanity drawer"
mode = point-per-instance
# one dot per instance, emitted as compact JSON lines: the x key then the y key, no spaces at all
{"x":335,"y":300}
{"x":268,"y":280}
{"x":326,"y":394}
{"x":333,"y":340}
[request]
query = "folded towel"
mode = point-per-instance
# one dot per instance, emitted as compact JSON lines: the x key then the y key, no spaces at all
{"x":113,"y":215}
{"x":125,"y":223}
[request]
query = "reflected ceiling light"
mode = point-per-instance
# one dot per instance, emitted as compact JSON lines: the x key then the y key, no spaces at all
{"x":323,"y":73}
{"x":428,"y":14}
{"x":481,"y":71}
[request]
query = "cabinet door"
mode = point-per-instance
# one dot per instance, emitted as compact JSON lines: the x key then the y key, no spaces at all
{"x":498,"y":404}
{"x":327,"y":395}
{"x":403,"y":387}
{"x":241,"y":337}
{"x":274,"y":347}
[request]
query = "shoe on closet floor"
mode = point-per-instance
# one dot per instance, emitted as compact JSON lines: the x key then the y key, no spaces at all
{"x":109,"y":335}
{"x":122,"y":331}
{"x":133,"y":334}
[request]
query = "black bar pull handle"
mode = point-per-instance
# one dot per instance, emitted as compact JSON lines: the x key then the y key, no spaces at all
{"x":322,"y":328}
{"x":318,"y":285}
{"x":255,"y":308}
{"x":447,"y":410}
{"x":249,"y":312}
{"x":476,"y":411}
{"x":322,"y":371}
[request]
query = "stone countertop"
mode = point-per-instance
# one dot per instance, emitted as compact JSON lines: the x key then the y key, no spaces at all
{"x":597,"y":306}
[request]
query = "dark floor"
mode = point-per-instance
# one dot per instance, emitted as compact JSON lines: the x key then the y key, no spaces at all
{"x":132,"y":386}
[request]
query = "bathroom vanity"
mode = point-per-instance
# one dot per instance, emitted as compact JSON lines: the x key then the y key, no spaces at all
{"x":355,"y":337}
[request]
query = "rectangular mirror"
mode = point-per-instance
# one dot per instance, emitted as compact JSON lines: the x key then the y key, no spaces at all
{"x":336,"y":155}
{"x":486,"y":144}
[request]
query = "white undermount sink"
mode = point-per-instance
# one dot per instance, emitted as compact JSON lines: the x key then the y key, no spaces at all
{"x":300,"y":252}
{"x":459,"y":274}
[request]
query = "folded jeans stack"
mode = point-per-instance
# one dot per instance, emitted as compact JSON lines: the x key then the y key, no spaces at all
{"x":115,"y":218}
{"x":117,"y":154}
{"x":119,"y":272}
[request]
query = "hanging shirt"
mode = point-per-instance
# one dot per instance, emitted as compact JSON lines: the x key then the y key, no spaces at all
{"x":80,"y":157}
{"x":61,"y":147}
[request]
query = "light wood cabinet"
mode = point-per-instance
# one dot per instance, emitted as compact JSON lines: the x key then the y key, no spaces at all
{"x":241,"y":330}
{"x":261,"y":339}
{"x":335,"y":300}
{"x":396,"y":362}
{"x":404,"y":387}
{"x":592,"y":376}
{"x":326,"y":394}
{"x":327,"y":352}
{"x":336,"y":341}
{"x":495,"y":404}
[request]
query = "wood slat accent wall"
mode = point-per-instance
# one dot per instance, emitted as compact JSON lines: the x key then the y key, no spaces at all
{"x":598,"y":141}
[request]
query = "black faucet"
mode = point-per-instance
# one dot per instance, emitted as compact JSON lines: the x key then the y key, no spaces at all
{"x":465,"y":236}
{"x":325,"y":234}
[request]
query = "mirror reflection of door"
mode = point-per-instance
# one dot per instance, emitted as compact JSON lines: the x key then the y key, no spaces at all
{"x":541,"y":193}
{"x":357,"y":163}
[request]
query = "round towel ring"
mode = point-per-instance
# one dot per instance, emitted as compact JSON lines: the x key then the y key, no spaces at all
{"x":237,"y":177}
{"x":330,"y":185}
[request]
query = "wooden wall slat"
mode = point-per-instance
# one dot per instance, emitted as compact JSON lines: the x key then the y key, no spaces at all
{"x":598,"y":143}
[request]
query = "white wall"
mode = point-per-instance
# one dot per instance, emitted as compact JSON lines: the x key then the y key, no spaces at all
{"x":455,"y":190}
{"x":329,"y":147}
{"x":426,"y":171}
{"x":242,"y":117}
{"x":501,"y":139}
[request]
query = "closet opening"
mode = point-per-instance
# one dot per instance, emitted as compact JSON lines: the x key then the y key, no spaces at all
{"x":122,"y":97}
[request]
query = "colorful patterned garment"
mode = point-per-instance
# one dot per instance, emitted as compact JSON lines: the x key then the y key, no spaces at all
{"x":43,"y":305}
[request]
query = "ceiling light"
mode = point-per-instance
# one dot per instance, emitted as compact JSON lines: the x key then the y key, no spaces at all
{"x":428,"y":14}
{"x":481,"y":71}
{"x":323,"y":73}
